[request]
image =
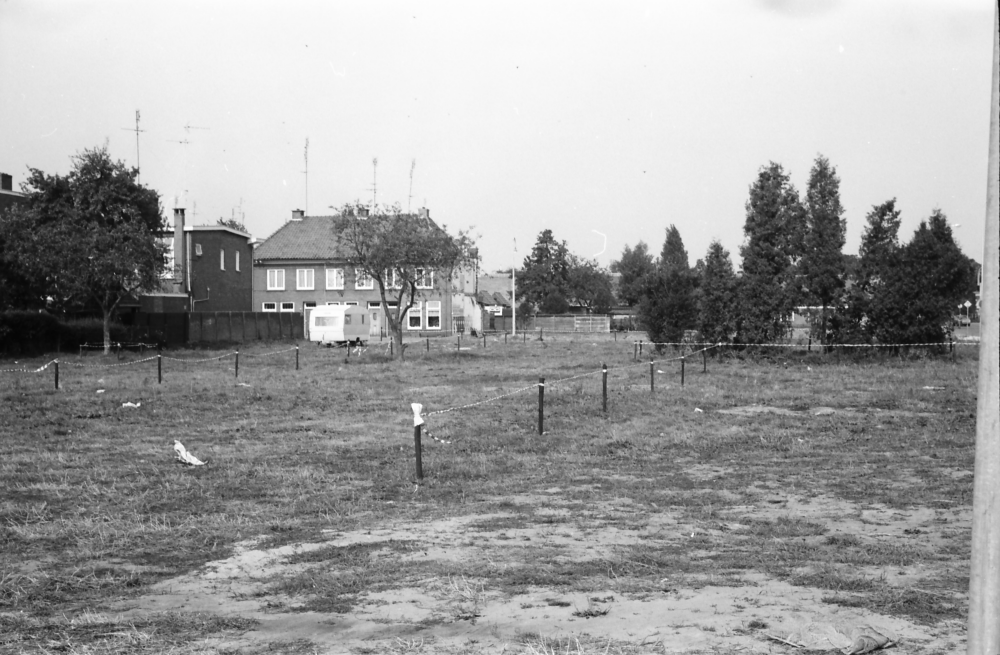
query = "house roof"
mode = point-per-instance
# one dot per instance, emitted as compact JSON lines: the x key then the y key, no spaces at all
{"x":311,"y":237}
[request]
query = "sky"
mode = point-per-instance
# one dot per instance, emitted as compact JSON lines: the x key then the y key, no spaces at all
{"x":603,"y":122}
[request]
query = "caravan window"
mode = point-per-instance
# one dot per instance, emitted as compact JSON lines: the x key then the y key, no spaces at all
{"x":328,"y":321}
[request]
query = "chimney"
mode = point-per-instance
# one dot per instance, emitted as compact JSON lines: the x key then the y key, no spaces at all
{"x":6,"y":182}
{"x":298,"y":214}
{"x":180,"y":255}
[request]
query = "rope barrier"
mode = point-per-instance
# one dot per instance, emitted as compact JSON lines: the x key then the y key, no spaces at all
{"x":136,"y":361}
{"x":27,"y":370}
{"x":273,"y":352}
{"x":199,"y":361}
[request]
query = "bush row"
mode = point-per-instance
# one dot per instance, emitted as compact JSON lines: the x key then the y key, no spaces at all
{"x":30,"y":333}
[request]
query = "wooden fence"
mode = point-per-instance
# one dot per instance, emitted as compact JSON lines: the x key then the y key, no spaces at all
{"x":217,"y":327}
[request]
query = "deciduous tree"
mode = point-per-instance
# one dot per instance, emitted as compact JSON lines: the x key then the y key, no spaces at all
{"x":92,"y":235}
{"x":590,"y":285}
{"x":633,"y":266}
{"x":405,"y":255}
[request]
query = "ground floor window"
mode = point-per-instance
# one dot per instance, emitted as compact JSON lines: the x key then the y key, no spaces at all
{"x":351,"y":303}
{"x":309,"y":304}
{"x":433,"y":314}
{"x":270,"y":307}
{"x":332,"y":302}
{"x":414,"y":320}
{"x":288,"y":307}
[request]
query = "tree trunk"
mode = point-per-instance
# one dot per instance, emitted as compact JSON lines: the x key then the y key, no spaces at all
{"x":397,"y":336}
{"x":107,"y":332}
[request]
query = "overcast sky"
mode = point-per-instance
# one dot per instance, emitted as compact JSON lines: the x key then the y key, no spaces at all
{"x":604,"y":122}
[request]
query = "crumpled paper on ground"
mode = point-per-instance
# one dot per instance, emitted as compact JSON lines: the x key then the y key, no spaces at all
{"x":852,"y":637}
{"x":184,"y":456}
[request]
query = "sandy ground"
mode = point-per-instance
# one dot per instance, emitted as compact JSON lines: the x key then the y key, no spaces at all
{"x":457,"y":616}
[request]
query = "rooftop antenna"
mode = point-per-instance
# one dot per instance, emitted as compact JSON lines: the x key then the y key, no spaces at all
{"x":189,"y":127}
{"x":374,"y":182}
{"x":307,"y":175}
{"x":136,"y":130}
{"x":409,"y":202}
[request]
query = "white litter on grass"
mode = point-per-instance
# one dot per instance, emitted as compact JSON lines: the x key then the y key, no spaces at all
{"x":699,"y":410}
{"x":100,"y":391}
{"x":184,"y":456}
{"x":131,"y":404}
{"x":935,"y":388}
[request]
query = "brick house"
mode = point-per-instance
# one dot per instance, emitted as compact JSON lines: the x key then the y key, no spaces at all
{"x":304,"y":265}
{"x":209,"y":269}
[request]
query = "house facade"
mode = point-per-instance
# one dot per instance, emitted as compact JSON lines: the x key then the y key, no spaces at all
{"x":209,"y":269}
{"x":304,"y":265}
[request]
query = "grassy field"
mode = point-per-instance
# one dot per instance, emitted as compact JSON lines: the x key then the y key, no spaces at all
{"x":763,"y":502}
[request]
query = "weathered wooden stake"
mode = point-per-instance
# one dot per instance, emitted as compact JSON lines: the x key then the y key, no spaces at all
{"x":297,"y":357}
{"x":237,"y":363}
{"x":682,"y":371}
{"x":704,"y":361}
{"x":484,"y":341}
{"x":651,"y":376}
{"x":159,"y":369}
{"x":604,"y":387}
{"x":416,"y":452}
{"x":57,"y":374}
{"x":541,"y":406}
{"x":428,"y":344}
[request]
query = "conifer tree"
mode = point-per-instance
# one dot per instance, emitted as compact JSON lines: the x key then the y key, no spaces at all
{"x":774,"y":229}
{"x":822,"y":265}
{"x":668,"y":306}
{"x":717,"y":315}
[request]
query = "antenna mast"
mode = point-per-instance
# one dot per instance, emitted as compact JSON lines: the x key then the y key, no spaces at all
{"x":374,"y":182}
{"x":409,"y":202}
{"x":307,"y":175}
{"x":136,"y":130}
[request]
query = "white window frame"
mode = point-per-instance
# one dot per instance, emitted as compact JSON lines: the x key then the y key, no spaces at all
{"x":309,"y":304}
{"x":424,"y":278}
{"x":237,"y":261}
{"x":269,"y":307}
{"x":197,"y":250}
{"x":222,"y":259}
{"x":275,"y":279}
{"x":351,"y":303}
{"x":415,"y":312}
{"x":359,"y":280}
{"x":374,"y":304}
{"x":287,"y":306}
{"x":305,"y":279}
{"x":336,"y":281}
{"x":332,"y":302}
{"x":393,"y":280}
{"x":433,"y":310}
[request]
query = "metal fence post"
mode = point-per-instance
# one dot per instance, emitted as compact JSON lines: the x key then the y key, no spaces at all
{"x":541,"y":405}
{"x":604,"y":387}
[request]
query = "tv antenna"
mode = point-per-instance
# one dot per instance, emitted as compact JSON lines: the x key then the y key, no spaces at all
{"x":189,"y":127}
{"x":136,"y":130}
{"x":306,"y":174}
{"x":409,"y":202}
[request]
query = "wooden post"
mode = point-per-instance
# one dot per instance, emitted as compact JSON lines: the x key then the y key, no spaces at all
{"x":984,"y":574}
{"x":391,"y":341}
{"x":505,"y":338}
{"x":484,"y":340}
{"x":604,"y":387}
{"x":541,"y":405}
{"x":809,"y":348}
{"x":651,"y":378}
{"x":297,"y":357}
{"x":704,"y":361}
{"x":428,"y":344}
{"x":159,"y":369}
{"x":57,"y":374}
{"x":635,"y":352}
{"x":682,"y":371}
{"x":237,"y":365}
{"x":640,"y":349}
{"x":416,"y":452}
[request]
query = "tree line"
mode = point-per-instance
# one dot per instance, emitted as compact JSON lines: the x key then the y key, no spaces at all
{"x":791,"y":257}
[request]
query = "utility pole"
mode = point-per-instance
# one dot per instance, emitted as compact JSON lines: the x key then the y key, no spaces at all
{"x":513,"y":292}
{"x":307,"y":176}
{"x":136,"y":130}
{"x":409,"y":202}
